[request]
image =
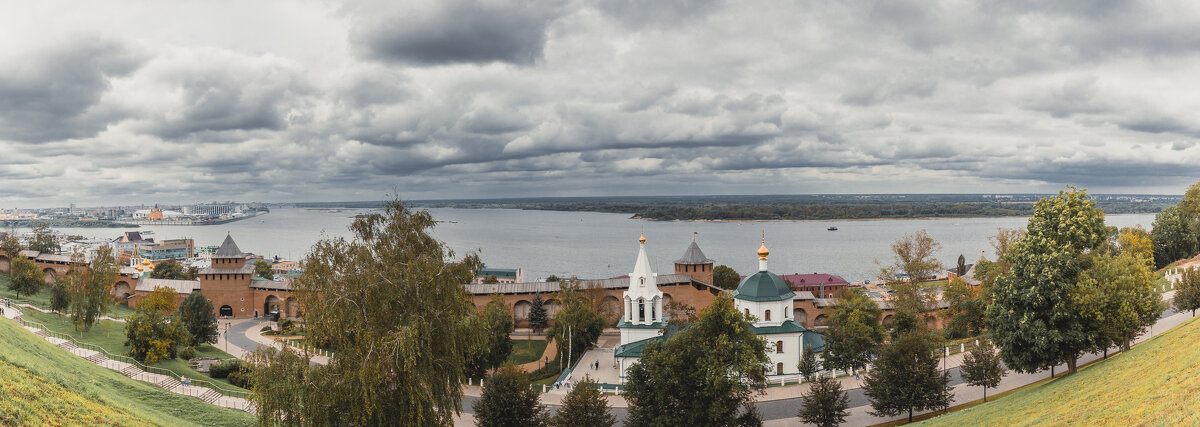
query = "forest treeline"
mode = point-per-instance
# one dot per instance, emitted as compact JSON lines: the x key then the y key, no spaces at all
{"x":808,"y":207}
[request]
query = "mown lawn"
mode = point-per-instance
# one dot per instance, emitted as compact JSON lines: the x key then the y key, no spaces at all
{"x":1154,"y":383}
{"x":41,"y":384}
{"x":110,"y":336}
{"x":525,"y":351}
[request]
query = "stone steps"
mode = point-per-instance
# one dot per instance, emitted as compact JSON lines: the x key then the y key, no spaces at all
{"x":168,"y":383}
{"x":130,"y":371}
{"x":67,"y":345}
{"x":97,"y":358}
{"x":210,"y":396}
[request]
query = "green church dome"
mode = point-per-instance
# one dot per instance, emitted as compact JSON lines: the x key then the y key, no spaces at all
{"x":763,"y":286}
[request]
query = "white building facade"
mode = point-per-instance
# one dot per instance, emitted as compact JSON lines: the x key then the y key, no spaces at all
{"x":764,"y":297}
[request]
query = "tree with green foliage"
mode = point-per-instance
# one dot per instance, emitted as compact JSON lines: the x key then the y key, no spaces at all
{"x":914,"y":256}
{"x":43,"y":239}
{"x":584,"y":406}
{"x":1190,"y":203}
{"x":1172,"y":236}
{"x":703,"y":375}
{"x":26,"y":277}
{"x":263,"y":269}
{"x":1005,"y":238}
{"x":679,"y":314}
{"x":60,"y":299}
{"x":1033,"y":318}
{"x":907,"y":376}
{"x":903,"y":322}
{"x":1187,"y":291}
{"x":509,"y":399}
{"x":1137,"y":242}
{"x":553,"y":278}
{"x":196,"y":313}
{"x":491,"y":280}
{"x":854,"y":332}
{"x":965,"y":310}
{"x":10,"y":245}
{"x":981,"y":367}
{"x":809,"y":367}
{"x":825,"y":403}
{"x":961,"y":270}
{"x":151,"y":334}
{"x":577,"y":325}
{"x":90,"y":287}
{"x":1117,"y":296}
{"x":170,"y":269}
{"x":389,"y":302}
{"x":725,"y":277}
{"x":497,"y":326}
{"x":538,"y":318}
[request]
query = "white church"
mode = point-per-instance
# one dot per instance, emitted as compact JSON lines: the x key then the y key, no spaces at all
{"x":763,"y":295}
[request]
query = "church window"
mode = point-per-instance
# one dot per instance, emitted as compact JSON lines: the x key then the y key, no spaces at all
{"x":747,"y":312}
{"x":779,"y":368}
{"x":642,"y":281}
{"x":779,"y":346}
{"x":641,"y":311}
{"x":767,"y":315}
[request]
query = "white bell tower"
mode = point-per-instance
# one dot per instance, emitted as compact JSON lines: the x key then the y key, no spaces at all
{"x":642,"y":301}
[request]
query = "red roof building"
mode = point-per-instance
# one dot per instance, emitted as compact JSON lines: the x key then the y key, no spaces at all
{"x":821,"y":285}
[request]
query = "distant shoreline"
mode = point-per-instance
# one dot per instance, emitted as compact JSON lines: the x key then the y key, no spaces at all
{"x":809,"y":207}
{"x":841,"y":219}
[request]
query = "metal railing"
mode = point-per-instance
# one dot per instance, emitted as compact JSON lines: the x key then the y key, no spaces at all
{"x":129,"y":360}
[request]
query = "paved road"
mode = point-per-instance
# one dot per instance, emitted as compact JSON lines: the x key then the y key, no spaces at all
{"x":237,"y":336}
{"x":784,"y":409}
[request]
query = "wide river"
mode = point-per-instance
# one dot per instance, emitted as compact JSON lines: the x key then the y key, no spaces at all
{"x":601,"y":245}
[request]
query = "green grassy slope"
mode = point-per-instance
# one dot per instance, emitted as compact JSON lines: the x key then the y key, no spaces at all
{"x":110,"y":336}
{"x":1155,"y":383}
{"x":42,"y":300}
{"x":43,"y":384}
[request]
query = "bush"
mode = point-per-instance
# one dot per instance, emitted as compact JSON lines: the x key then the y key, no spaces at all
{"x":241,"y":377}
{"x":187,"y":353}
{"x":286,"y":324}
{"x":265,"y":329}
{"x":225,"y":368}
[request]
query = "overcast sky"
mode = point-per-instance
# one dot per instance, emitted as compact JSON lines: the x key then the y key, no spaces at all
{"x":171,"y":102}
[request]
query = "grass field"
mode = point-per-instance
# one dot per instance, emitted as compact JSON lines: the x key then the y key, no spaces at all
{"x":41,"y":384}
{"x":42,"y":300}
{"x":1154,"y":383}
{"x":110,"y":336}
{"x":525,"y":351}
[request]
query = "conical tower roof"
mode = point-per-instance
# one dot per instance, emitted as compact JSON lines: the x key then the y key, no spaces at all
{"x":229,"y":249}
{"x":693,"y":256}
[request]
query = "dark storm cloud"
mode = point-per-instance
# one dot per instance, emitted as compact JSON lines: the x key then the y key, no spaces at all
{"x":56,"y":93}
{"x":219,"y":92}
{"x":502,"y":98}
{"x":1099,"y":172}
{"x":455,"y":32}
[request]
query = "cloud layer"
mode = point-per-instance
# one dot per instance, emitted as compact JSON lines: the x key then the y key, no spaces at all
{"x":457,"y":99}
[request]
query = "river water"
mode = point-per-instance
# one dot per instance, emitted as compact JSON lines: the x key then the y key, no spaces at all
{"x":601,"y":245}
